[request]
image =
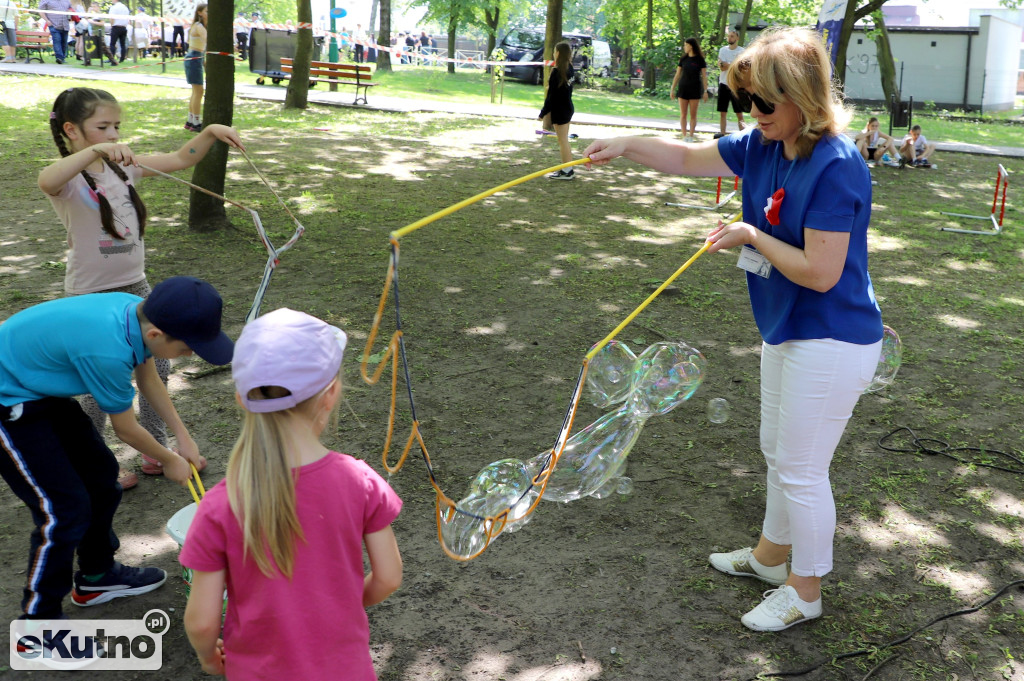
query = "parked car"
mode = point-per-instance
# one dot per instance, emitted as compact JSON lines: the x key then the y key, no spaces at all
{"x":527,"y":45}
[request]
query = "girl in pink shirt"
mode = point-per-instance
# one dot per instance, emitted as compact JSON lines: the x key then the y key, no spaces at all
{"x":285,"y":531}
{"x":92,"y":189}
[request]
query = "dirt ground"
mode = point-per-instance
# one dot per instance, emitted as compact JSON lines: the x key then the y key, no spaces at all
{"x":500,"y":302}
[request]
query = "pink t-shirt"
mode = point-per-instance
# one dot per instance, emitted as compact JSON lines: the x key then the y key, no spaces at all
{"x":96,"y":260}
{"x":313,"y":626}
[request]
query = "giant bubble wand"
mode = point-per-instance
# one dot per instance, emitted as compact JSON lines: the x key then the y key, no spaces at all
{"x":506,"y":492}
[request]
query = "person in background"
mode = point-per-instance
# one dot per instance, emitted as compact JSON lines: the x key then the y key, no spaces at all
{"x":359,"y":38}
{"x":98,"y":31}
{"x":803,"y":243}
{"x":8,"y":30}
{"x":558,"y":109}
{"x":119,"y":28}
{"x":727,"y":55}
{"x":58,"y":23}
{"x":690,"y":86}
{"x":194,"y":63}
{"x":872,"y":142}
{"x":242,"y":36}
{"x":916,"y":149}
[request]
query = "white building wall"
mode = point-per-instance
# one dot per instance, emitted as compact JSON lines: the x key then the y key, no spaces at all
{"x":1001,"y":39}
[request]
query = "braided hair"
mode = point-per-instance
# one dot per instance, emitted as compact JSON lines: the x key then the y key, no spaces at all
{"x":76,"y":105}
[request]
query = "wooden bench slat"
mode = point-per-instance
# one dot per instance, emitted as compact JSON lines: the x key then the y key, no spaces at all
{"x":335,"y":74}
{"x":33,"y":41}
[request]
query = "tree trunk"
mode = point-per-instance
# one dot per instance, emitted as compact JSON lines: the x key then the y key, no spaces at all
{"x":650,"y":77}
{"x":746,"y":20}
{"x":552,"y":34}
{"x":373,"y":18}
{"x":453,"y":29}
{"x":679,"y":21}
{"x":205,"y":213}
{"x":886,"y":64}
{"x":721,"y":19}
{"x":853,"y":13}
{"x":384,"y":37}
{"x":297,"y":95}
{"x":694,"y":19}
{"x":492,"y":17}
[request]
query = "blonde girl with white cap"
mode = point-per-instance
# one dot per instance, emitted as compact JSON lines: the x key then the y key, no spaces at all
{"x":285,"y":531}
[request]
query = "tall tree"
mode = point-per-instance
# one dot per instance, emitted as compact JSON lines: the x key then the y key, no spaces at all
{"x":206,"y":213}
{"x":297,"y":95}
{"x":745,"y":21}
{"x":384,"y":37}
{"x":492,"y":19}
{"x":855,"y":11}
{"x":650,"y":76}
{"x":552,"y":34}
{"x":886,"y":63}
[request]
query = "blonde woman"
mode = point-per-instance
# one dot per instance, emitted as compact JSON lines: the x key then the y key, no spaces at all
{"x":285,"y":532}
{"x":194,"y":60}
{"x":803,"y":239}
{"x":558,"y":105}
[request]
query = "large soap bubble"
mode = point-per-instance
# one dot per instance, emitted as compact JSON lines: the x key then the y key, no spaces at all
{"x":888,"y":362}
{"x":593,"y":462}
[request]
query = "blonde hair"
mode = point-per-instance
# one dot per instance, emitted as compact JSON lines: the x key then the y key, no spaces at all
{"x":261,"y":482}
{"x":792,"y":63}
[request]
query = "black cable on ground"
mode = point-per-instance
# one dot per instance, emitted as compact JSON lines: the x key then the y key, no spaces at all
{"x":931,"y":446}
{"x":891,"y":644}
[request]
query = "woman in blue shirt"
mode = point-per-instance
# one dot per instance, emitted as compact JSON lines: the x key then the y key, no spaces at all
{"x":803,"y":243}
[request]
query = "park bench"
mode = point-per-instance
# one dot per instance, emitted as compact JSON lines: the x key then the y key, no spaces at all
{"x":336,"y":74}
{"x":34,"y":41}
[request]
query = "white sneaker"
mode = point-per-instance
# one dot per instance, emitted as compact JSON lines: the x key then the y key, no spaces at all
{"x":742,"y":563}
{"x":781,"y":609}
{"x":562,"y":175}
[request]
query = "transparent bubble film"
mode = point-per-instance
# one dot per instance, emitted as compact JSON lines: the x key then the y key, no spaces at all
{"x":888,"y":362}
{"x":593,"y":462}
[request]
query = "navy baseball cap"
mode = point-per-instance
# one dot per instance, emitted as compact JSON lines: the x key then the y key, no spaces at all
{"x":189,"y":310}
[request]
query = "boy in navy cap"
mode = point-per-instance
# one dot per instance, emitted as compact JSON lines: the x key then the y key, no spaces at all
{"x":50,"y":453}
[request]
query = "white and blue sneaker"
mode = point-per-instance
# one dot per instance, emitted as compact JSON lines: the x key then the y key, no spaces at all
{"x":118,"y":582}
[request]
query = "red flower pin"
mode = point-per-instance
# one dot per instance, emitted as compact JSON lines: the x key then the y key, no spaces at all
{"x":774,"y":205}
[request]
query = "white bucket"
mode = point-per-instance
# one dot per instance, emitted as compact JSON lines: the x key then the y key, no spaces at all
{"x":177,"y":527}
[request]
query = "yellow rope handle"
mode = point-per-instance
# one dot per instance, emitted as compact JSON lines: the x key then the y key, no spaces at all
{"x":398,"y":234}
{"x":202,"y":490}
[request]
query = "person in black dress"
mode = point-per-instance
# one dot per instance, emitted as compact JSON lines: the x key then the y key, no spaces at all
{"x":558,"y":109}
{"x":690,"y":86}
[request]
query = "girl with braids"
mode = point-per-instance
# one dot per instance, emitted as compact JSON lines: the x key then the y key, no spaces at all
{"x":92,"y":188}
{"x":558,"y":109}
{"x":285,"y":531}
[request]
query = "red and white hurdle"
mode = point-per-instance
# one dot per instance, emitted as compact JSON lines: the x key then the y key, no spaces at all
{"x":1002,"y":184}
{"x":719,"y":199}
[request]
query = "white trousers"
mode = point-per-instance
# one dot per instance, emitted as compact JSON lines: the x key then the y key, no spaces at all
{"x":808,"y":391}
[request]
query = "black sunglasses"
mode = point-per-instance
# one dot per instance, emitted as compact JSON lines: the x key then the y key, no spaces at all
{"x":767,"y":108}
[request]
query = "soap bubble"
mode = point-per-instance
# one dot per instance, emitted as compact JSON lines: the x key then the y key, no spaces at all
{"x":888,"y":361}
{"x":609,"y":374}
{"x":593,"y":461}
{"x":718,"y":410}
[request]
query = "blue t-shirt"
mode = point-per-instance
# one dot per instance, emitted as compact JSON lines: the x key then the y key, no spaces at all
{"x":830,"y":191}
{"x":73,"y":346}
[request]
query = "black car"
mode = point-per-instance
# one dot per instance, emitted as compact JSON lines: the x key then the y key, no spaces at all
{"x":527,"y":45}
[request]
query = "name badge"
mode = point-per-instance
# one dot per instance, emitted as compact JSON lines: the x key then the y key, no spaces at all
{"x":755,"y":263}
